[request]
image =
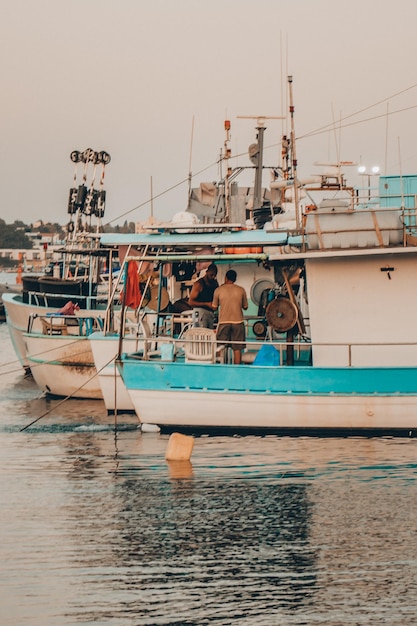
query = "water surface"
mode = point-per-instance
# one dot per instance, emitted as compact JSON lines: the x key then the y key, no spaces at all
{"x":97,"y":528}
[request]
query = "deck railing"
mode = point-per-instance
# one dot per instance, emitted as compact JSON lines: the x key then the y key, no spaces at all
{"x":299,"y":352}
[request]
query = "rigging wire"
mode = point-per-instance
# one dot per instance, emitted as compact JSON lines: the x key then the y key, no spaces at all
{"x":318,"y":131}
{"x":371,"y":106}
{"x":328,"y":128}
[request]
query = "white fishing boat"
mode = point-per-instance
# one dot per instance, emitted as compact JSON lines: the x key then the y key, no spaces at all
{"x":105,"y":347}
{"x":76,"y":275}
{"x":59,"y":354}
{"x":329,"y":345}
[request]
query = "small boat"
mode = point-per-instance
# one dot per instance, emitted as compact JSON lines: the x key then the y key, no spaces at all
{"x":105,"y":348}
{"x":326,"y":349}
{"x":60,"y":356}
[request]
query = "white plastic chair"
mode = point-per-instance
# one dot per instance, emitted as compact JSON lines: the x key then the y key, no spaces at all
{"x":200,"y":345}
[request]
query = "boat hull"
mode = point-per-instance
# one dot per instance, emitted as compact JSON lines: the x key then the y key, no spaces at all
{"x":63,"y":365}
{"x":273,"y":398}
{"x":105,"y":350}
{"x":18,"y":314}
{"x":17,"y":317}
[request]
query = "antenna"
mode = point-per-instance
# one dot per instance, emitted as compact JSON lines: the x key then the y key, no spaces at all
{"x":256,"y":154}
{"x":151,"y":215}
{"x":294,"y":156}
{"x":190,"y":175}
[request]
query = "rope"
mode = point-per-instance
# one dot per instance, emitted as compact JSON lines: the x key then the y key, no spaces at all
{"x":67,"y":397}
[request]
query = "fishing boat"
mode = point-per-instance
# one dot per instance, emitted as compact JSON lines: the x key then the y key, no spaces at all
{"x":105,"y":346}
{"x":330,"y":346}
{"x":75,"y":275}
{"x":59,"y":353}
{"x":152,"y":312}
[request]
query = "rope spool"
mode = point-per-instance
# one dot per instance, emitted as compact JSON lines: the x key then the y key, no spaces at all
{"x":259,"y":328}
{"x":281,"y":314}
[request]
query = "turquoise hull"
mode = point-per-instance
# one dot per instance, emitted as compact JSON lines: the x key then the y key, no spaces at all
{"x":279,"y":380}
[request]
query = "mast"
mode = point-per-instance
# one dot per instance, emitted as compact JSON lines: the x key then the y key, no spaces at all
{"x":226,"y":157}
{"x":256,"y":155}
{"x":257,"y":192}
{"x":190,"y":174}
{"x":294,"y":156}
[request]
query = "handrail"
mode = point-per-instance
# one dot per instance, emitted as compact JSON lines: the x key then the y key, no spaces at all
{"x":302,"y":344}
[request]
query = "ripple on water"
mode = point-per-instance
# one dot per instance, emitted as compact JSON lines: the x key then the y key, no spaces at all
{"x":97,"y":527}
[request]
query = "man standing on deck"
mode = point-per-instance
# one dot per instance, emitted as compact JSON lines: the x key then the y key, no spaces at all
{"x":232,"y":300}
{"x":201,"y":296}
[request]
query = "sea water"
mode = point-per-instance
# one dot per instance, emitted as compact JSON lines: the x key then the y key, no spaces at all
{"x":97,"y":528}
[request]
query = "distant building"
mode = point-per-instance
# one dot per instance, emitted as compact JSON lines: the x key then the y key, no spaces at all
{"x":43,"y":251}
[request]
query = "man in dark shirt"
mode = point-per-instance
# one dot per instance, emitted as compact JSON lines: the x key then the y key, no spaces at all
{"x":201,"y":296}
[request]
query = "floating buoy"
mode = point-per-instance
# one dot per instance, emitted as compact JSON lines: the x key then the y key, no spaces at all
{"x":150,"y":428}
{"x":179,"y":448}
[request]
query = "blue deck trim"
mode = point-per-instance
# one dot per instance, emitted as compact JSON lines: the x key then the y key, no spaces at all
{"x":281,"y":380}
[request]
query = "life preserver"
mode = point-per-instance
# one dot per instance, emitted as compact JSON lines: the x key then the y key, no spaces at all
{"x":70,"y":227}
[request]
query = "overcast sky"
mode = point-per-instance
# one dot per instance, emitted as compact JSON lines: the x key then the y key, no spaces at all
{"x":151,"y":82}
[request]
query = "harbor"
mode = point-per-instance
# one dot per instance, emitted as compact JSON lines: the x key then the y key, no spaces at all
{"x":308,"y":346}
{"x":260,"y":530}
{"x":208,"y":363}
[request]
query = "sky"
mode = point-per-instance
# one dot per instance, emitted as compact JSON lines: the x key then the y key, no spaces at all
{"x":151,"y":83}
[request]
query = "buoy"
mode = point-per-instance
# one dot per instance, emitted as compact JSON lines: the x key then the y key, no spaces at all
{"x":179,"y":448}
{"x":150,"y":428}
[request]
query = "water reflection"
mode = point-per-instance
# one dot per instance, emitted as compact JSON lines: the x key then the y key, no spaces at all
{"x":180,"y":470}
{"x":187,"y":546}
{"x":268,"y":535}
{"x":98,"y":528}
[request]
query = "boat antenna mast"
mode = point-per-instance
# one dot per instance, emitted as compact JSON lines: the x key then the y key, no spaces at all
{"x":225,"y":157}
{"x":294,"y":156}
{"x":256,"y":154}
{"x":190,"y":173}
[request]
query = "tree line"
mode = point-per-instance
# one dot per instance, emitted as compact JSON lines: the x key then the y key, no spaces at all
{"x":15,"y":235}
